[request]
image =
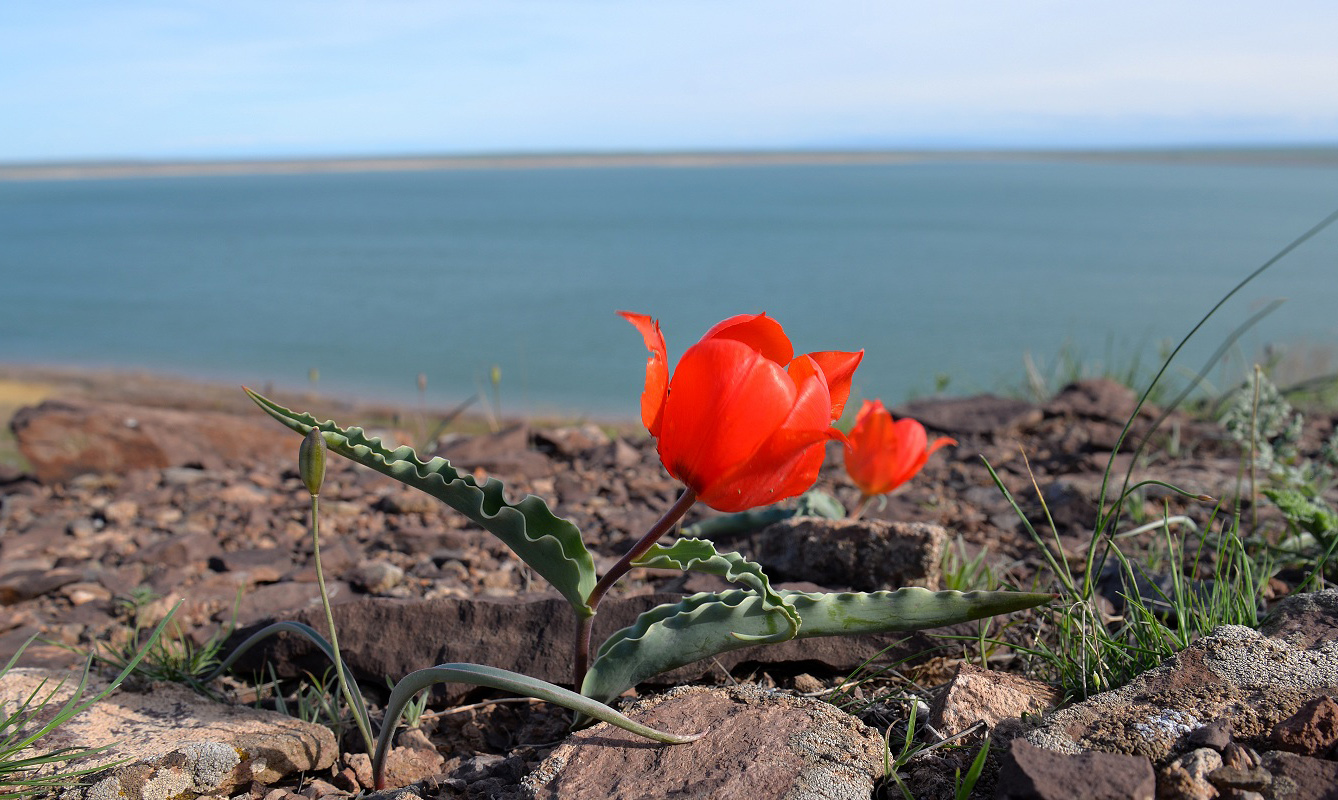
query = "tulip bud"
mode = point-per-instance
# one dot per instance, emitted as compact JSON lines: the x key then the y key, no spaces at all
{"x":311,"y":461}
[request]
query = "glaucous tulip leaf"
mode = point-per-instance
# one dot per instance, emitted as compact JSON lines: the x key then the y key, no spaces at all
{"x":552,"y":546}
{"x":706,"y":624}
{"x":504,"y":680}
{"x":813,"y":503}
{"x":699,"y":555}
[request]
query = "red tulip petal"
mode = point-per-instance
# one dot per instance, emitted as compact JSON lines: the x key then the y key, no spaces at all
{"x":866,"y":443}
{"x":790,"y":478}
{"x":941,"y":441}
{"x":758,"y":331}
{"x":788,"y":461}
{"x":907,"y":451}
{"x":839,"y":368}
{"x":725,"y":400}
{"x":657,"y":371}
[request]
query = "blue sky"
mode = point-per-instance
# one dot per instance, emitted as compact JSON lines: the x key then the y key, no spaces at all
{"x":182,"y":79}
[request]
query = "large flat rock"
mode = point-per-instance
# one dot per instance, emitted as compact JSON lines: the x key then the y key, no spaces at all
{"x":171,"y":742}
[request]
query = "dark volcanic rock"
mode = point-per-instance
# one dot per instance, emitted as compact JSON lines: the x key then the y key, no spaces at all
{"x":1034,"y":773}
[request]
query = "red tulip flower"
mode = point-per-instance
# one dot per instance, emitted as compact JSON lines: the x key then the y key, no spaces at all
{"x":743,"y":421}
{"x":882,"y":454}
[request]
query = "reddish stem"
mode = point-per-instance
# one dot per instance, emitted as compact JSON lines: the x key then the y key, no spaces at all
{"x":644,"y":544}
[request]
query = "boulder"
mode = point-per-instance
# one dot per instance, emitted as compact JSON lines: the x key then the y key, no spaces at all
{"x":169,"y":741}
{"x":758,"y":743}
{"x":865,"y":555}
{"x":65,"y":438}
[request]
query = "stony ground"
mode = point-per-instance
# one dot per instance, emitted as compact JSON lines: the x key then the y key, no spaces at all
{"x":194,"y":496}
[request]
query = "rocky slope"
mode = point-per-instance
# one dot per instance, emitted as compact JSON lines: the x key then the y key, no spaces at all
{"x":130,"y":507}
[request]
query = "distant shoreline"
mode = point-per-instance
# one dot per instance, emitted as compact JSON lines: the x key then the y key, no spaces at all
{"x":1270,"y":156}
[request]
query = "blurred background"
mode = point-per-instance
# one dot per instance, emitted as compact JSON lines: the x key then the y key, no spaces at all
{"x":346,"y":196}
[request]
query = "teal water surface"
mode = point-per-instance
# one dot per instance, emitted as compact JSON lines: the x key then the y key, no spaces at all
{"x":936,"y":269}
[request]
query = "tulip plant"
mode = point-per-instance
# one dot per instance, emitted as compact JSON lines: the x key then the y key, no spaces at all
{"x":882,"y":454}
{"x":742,"y":422}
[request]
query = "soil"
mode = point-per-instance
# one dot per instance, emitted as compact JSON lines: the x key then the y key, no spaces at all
{"x":82,"y":549}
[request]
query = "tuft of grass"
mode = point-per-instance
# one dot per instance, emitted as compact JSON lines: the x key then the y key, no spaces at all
{"x":1078,"y":646}
{"x":1084,"y":651}
{"x":963,"y":572}
{"x":27,"y":772}
{"x":167,"y":654}
{"x":1043,"y":379}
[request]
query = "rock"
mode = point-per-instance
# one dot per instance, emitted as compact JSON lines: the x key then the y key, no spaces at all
{"x":121,"y":512}
{"x":506,"y":454}
{"x":272,"y":599}
{"x":1072,"y":504}
{"x":1304,"y":620}
{"x":376,"y":577}
{"x":1297,"y":777}
{"x":1215,"y":735}
{"x":1227,"y":778}
{"x":404,"y":765}
{"x":1234,"y":673}
{"x":757,"y":744}
{"x":65,"y":438}
{"x":981,"y":414}
{"x":1186,"y":778}
{"x":261,"y":565}
{"x":1311,"y":731}
{"x":15,"y":587}
{"x":1094,"y":398}
{"x":174,"y":743}
{"x":865,"y":555}
{"x":976,"y":694}
{"x":386,"y":636}
{"x":1035,"y":773}
{"x":573,"y":441}
{"x":407,"y":502}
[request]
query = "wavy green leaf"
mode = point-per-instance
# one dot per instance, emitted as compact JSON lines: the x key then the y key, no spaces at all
{"x":494,"y":678}
{"x":700,"y":555}
{"x":552,"y":546}
{"x":704,"y":625}
{"x":813,"y":503}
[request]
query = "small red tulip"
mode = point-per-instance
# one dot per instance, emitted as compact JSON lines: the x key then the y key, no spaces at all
{"x":881,"y":454}
{"x":742,"y":422}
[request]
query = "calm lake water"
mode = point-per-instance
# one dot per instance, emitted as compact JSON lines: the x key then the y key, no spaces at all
{"x":936,"y":269}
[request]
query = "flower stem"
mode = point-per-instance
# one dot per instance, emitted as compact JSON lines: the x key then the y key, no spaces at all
{"x":860,"y":506}
{"x":581,"y":662}
{"x":363,"y":726}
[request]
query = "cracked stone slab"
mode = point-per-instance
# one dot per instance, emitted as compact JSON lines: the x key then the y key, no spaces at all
{"x":171,"y":743}
{"x":758,"y":743}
